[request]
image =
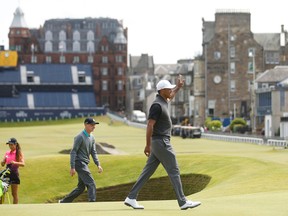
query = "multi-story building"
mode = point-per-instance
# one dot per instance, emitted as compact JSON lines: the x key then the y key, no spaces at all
{"x":141,"y":82}
{"x":99,"y":42}
{"x":272,"y":101}
{"x":232,"y":59}
{"x":182,"y":105}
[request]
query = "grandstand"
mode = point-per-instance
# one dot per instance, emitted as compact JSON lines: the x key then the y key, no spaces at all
{"x":47,"y":91}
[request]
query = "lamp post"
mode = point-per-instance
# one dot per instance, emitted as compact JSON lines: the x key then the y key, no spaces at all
{"x":253,"y":98}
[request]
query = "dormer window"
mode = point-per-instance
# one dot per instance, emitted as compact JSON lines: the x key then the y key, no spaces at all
{"x":30,"y":76}
{"x":81,"y":77}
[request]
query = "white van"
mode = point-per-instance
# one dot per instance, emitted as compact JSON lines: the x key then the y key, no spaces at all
{"x":138,"y":116}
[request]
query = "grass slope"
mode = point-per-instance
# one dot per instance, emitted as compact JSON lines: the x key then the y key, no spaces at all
{"x":246,"y":179}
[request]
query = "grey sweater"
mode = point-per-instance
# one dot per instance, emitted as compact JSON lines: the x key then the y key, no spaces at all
{"x":83,"y":147}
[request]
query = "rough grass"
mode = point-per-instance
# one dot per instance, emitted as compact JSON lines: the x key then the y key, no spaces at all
{"x":246,"y":179}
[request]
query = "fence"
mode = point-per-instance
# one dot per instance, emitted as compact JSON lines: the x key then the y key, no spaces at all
{"x":224,"y":137}
{"x":256,"y":140}
{"x":228,"y":138}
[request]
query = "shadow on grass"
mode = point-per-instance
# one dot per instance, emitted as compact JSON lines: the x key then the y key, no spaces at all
{"x":154,"y":189}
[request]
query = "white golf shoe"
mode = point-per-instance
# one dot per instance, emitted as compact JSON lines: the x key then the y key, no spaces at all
{"x":190,"y":204}
{"x":132,"y":203}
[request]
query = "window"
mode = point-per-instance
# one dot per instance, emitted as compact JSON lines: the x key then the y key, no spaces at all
{"x":104,"y":85}
{"x":90,"y":47}
{"x":217,"y":55}
{"x":62,"y":36}
{"x":34,"y":48}
{"x":105,"y":100}
{"x":120,"y":47}
{"x":90,"y":59}
{"x":33,"y":59}
{"x":76,"y":46}
{"x":104,"y":48}
{"x":62,"y":46}
{"x":104,"y":25}
{"x":76,"y":59}
{"x":232,"y":86}
{"x":104,"y":59}
{"x":62,"y":59}
{"x":76,"y":35}
{"x":119,"y":85}
{"x":232,"y":67}
{"x":48,"y":59}
{"x":104,"y":71}
{"x":119,"y":71}
{"x":81,"y":77}
{"x":90,"y":36}
{"x":90,"y":25}
{"x":251,"y":52}
{"x":48,"y":46}
{"x":30,"y":76}
{"x":211,"y":107}
{"x":118,"y":58}
{"x":272,"y":57}
{"x":48,"y":36}
{"x":232,"y":52}
{"x":250,"y":67}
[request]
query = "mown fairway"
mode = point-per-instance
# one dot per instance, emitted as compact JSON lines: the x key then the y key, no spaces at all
{"x":246,"y":179}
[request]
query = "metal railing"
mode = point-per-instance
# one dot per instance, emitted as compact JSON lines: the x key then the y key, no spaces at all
{"x":247,"y":139}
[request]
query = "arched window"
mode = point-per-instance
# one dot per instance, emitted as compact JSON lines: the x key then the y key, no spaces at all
{"x":76,"y":46}
{"x":48,"y":46}
{"x":62,"y":46}
{"x":90,"y":36}
{"x":90,"y":47}
{"x":76,"y":35}
{"x":62,"y":35}
{"x":48,"y":36}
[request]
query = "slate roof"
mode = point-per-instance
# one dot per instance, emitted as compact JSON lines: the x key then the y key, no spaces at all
{"x":275,"y":75}
{"x":269,"y":41}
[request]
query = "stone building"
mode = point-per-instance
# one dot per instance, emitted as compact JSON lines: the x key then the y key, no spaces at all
{"x":233,"y":56}
{"x":140,"y":82}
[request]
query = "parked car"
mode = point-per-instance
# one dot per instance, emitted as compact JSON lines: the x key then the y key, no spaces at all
{"x":138,"y":116}
{"x":186,"y":131}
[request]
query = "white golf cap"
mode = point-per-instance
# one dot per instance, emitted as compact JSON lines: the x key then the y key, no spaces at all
{"x":164,"y":84}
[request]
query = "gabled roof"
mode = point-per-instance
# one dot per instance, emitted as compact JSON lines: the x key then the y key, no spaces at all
{"x":208,"y":31}
{"x":269,"y":41}
{"x":275,"y":75}
{"x":164,"y":69}
{"x":143,"y":61}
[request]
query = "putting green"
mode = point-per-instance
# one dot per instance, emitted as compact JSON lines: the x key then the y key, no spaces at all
{"x":246,"y":179}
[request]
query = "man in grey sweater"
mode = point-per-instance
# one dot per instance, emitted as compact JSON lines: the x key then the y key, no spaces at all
{"x":158,"y":148}
{"x":84,"y":146}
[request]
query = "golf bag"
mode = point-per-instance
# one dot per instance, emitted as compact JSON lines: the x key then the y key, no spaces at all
{"x":4,"y":182}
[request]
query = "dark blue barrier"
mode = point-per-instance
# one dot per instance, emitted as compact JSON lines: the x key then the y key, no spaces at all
{"x":48,"y":114}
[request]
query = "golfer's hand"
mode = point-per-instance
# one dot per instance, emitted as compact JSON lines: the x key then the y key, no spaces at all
{"x":180,"y":81}
{"x":147,"y":151}
{"x":72,"y":172}
{"x":100,"y":169}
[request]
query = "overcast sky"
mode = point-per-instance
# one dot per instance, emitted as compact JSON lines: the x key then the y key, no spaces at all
{"x":168,"y":30}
